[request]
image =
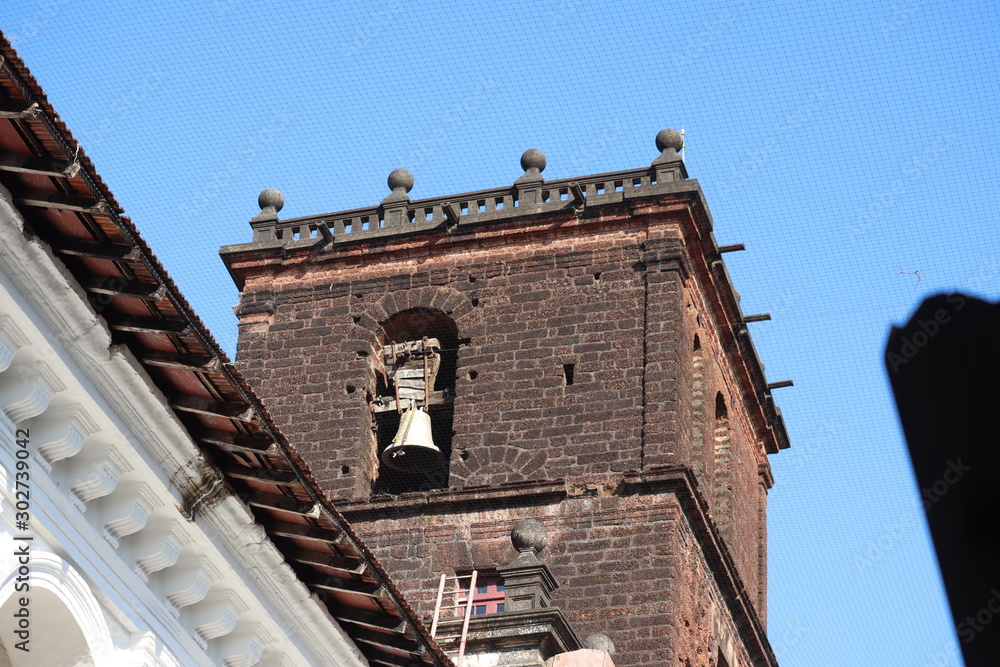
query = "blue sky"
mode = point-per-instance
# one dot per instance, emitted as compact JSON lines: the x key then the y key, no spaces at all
{"x":843,"y":142}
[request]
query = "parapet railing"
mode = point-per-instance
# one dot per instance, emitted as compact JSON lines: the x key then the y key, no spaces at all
{"x":403,"y":216}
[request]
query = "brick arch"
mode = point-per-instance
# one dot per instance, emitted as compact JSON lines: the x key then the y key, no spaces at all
{"x":373,"y":315}
{"x":433,"y":312}
{"x":449,"y":301}
{"x":723,"y":467}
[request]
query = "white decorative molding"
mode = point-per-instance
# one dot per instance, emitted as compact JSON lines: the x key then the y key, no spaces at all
{"x":6,"y":483}
{"x":127,"y":511}
{"x":187,"y":582}
{"x":46,"y":318}
{"x":98,"y":480}
{"x":157,"y":549}
{"x":11,"y":340}
{"x":243,"y":648}
{"x":147,"y":650}
{"x":60,"y":432}
{"x":27,"y":386}
{"x":7,"y":353}
{"x":213,"y":618}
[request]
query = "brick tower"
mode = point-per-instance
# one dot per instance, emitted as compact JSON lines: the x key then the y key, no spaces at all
{"x":580,"y":353}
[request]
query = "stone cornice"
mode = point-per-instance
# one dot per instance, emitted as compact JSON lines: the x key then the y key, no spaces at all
{"x":453,"y":499}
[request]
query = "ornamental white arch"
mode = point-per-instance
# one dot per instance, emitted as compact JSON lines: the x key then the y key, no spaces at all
{"x":67,"y":626}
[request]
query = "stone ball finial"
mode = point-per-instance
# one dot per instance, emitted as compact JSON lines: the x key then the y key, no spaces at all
{"x":400,"y":178}
{"x":600,"y":642}
{"x":529,"y":534}
{"x":669,"y":139}
{"x":533,"y":159}
{"x":271,"y":198}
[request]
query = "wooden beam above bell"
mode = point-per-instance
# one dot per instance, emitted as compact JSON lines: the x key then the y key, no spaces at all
{"x":435,"y":399}
{"x":410,"y":347}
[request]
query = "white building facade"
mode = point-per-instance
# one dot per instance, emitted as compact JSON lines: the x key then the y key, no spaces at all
{"x":99,"y":564}
{"x":151,"y":514}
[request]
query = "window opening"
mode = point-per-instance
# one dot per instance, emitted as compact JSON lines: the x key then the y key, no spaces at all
{"x":413,"y":406}
{"x":490,"y":595}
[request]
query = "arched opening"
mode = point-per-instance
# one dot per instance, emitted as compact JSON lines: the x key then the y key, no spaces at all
{"x":702,"y":450}
{"x":66,"y":623}
{"x":723,"y":475}
{"x":54,"y":637}
{"x":414,"y":364}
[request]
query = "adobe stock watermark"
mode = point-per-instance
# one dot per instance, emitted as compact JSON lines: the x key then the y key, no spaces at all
{"x":123,"y":108}
{"x":378,"y":24}
{"x":581,"y":161}
{"x":456,"y":117}
{"x":970,"y":628}
{"x":947,"y":657}
{"x":757,"y":157}
{"x":929,"y":495}
{"x":910,"y":345}
{"x":696,"y":43}
{"x":908,"y":174}
{"x":900,"y":14}
{"x":985,"y":278}
{"x":564,"y":11}
{"x":45,"y":11}
{"x":788,"y":638}
{"x":249,"y":150}
{"x":224,"y":7}
{"x":804,"y":452}
{"x":22,"y":552}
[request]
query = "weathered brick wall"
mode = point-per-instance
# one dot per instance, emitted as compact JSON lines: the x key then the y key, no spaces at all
{"x":620,"y":308}
{"x":628,"y":566}
{"x":526,"y":315}
{"x":725,"y":454}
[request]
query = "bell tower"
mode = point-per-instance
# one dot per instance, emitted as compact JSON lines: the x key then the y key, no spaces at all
{"x":568,"y":351}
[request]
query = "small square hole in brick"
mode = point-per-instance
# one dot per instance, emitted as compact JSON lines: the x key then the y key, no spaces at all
{"x":568,"y":370}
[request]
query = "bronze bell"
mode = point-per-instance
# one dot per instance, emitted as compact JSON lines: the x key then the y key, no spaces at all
{"x":413,"y":449}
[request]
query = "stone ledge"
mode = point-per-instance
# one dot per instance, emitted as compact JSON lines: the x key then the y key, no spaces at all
{"x":521,"y":639}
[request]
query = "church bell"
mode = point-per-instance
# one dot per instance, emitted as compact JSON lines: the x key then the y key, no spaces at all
{"x":413,"y":449}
